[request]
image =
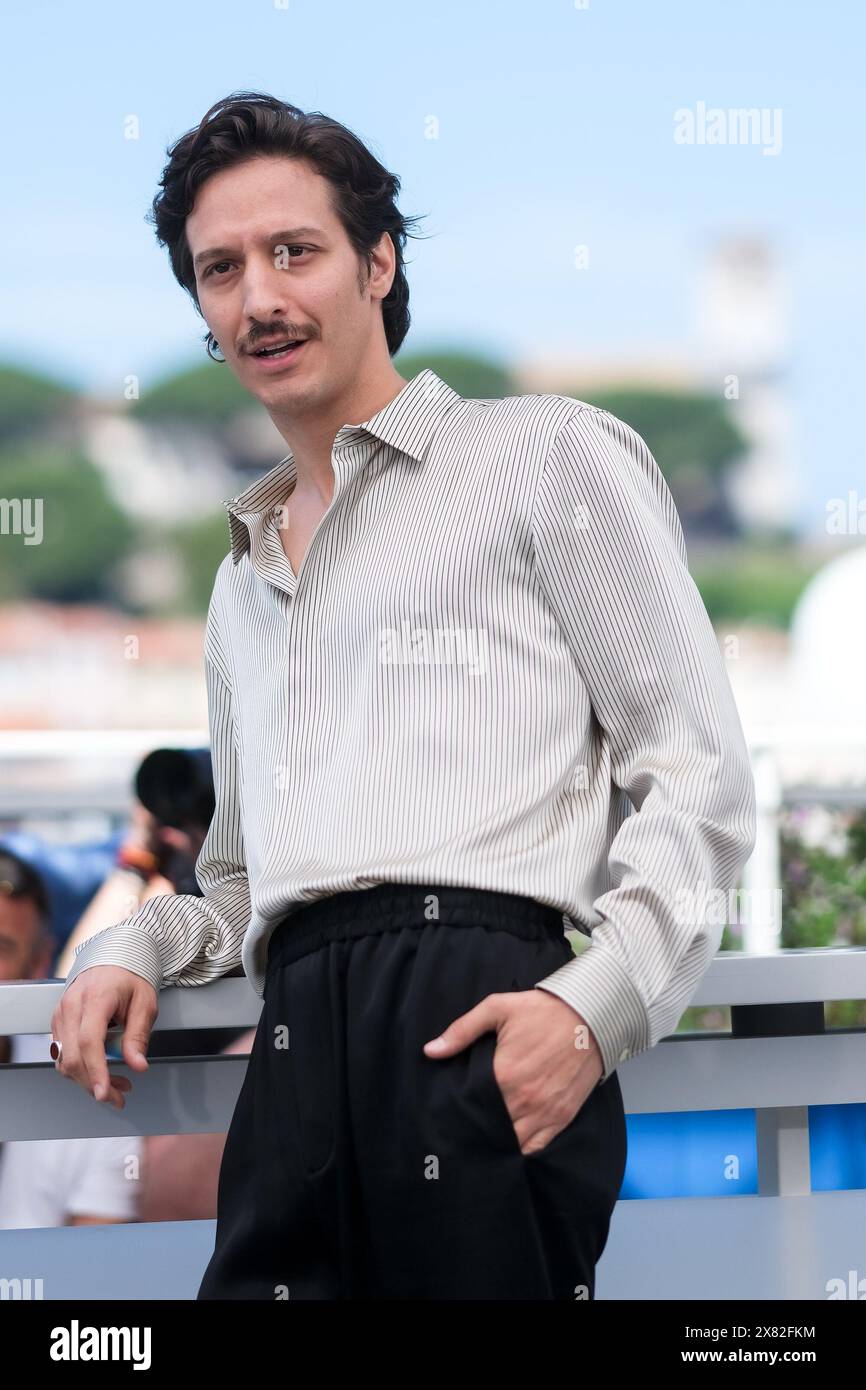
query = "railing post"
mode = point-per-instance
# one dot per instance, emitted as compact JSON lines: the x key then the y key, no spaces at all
{"x":784,"y":1168}
{"x":762,"y":930}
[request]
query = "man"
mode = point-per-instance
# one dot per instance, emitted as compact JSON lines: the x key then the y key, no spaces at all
{"x":52,"y":1182}
{"x":461,"y":687}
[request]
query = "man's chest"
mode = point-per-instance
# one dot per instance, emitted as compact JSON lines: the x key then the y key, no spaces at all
{"x":423,"y":577}
{"x":427,"y":600}
{"x":296,"y":522}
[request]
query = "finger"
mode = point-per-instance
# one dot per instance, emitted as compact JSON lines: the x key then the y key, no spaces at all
{"x":465,"y":1029}
{"x":65,"y":1028}
{"x":117,"y":1084}
{"x":91,"y":1039}
{"x":140,"y":1018}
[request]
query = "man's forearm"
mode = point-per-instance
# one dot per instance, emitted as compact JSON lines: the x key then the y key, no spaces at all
{"x":175,"y":939}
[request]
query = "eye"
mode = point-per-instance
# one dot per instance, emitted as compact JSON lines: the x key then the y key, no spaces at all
{"x":211,"y":268}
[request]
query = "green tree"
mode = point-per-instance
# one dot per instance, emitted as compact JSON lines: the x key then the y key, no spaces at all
{"x":207,"y":393}
{"x":694,"y":441}
{"x":31,"y":403}
{"x":83,"y":531}
{"x":825,"y":889}
{"x":469,"y":375}
{"x":752,"y":583}
{"x":202,"y":545}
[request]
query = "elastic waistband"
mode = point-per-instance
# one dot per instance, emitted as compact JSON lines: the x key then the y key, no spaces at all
{"x":395,"y":906}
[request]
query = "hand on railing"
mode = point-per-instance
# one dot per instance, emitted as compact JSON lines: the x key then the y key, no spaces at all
{"x":100,"y":996}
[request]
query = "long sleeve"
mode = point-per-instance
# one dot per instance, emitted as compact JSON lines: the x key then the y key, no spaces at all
{"x":612,"y":562}
{"x":179,"y":939}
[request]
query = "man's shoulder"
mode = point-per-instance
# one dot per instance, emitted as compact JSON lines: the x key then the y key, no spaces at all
{"x":529,"y":424}
{"x":222,"y":583}
{"x":540,"y":411}
{"x":223,"y":572}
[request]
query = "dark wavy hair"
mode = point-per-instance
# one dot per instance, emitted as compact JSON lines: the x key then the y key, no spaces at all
{"x":246,"y":124}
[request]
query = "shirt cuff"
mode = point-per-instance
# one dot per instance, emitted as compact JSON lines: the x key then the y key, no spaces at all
{"x":597,"y":986}
{"x":123,"y":945}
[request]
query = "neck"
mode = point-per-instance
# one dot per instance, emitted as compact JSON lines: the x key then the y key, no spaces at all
{"x":311,"y":437}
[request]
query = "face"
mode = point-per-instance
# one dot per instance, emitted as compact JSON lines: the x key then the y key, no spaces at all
{"x":272,"y":263}
{"x":23,"y":955}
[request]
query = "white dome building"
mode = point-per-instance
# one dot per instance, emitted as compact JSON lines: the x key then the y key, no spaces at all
{"x":828,"y":646}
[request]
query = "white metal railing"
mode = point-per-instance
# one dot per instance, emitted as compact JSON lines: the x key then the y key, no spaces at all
{"x":777,"y":1060}
{"x":778,"y":1074}
{"x":686,"y":1072}
{"x":793,"y":762}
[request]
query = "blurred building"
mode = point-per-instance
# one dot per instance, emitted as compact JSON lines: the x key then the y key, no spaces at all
{"x":743,"y":339}
{"x":739,"y":353}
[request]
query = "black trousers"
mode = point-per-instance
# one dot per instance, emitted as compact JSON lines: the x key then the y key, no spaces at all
{"x":357,"y":1167}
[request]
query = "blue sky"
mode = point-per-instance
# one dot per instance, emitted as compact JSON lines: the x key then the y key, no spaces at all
{"x":555,"y":128}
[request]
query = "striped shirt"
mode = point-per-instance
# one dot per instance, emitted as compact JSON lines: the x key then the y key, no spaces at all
{"x":493,"y":670}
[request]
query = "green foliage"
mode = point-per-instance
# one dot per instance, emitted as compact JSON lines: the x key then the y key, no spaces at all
{"x":752,"y":583}
{"x":824,"y":904}
{"x":30,"y":402}
{"x":825,"y":888}
{"x":699,"y":1018}
{"x":467,"y":374}
{"x":694,"y":441}
{"x":690,"y":435}
{"x":202,"y":544}
{"x":208,"y":393}
{"x":83,"y":530}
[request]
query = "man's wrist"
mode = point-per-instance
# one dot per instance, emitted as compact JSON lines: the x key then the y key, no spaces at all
{"x":122,"y":944}
{"x":603,"y":996}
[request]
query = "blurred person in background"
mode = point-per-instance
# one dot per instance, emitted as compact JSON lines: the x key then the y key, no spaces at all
{"x":133,"y":879}
{"x":180,"y":1172}
{"x":52,"y":1182}
{"x":172,"y":809}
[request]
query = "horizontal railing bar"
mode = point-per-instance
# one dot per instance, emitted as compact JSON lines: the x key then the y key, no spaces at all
{"x":44,"y":743}
{"x":183,"y":1095}
{"x":659,"y":1248}
{"x":688,"y":1073}
{"x":789,"y":976}
{"x":777,"y":737}
{"x":781,"y":736}
{"x":195,"y":1095}
{"x":27,"y":1006}
{"x":733,"y":977}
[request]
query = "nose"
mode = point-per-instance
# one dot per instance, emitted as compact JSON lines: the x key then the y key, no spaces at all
{"x":267,"y":294}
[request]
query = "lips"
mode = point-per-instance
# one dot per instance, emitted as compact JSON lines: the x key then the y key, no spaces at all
{"x":269,"y":349}
{"x":281,"y":359}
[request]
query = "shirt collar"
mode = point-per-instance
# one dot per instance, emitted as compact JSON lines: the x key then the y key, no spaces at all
{"x":408,"y":423}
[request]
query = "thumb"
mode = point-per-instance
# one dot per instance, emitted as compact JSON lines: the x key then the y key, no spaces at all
{"x":136,"y":1033}
{"x":465,"y":1029}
